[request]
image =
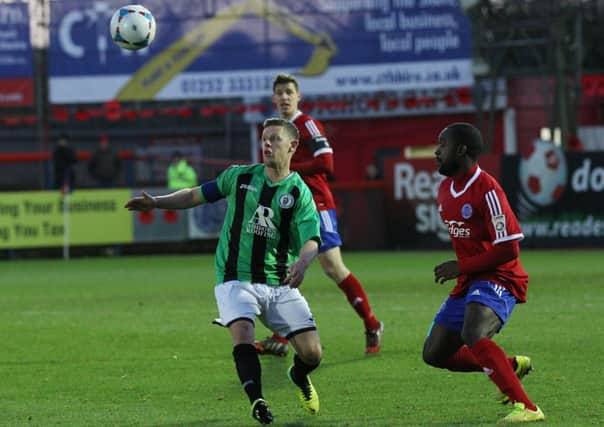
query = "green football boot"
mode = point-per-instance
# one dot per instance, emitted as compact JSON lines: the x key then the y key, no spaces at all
{"x":307,"y":394}
{"x":520,"y":414}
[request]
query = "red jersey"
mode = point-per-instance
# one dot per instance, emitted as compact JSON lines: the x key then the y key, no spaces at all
{"x":478,"y":215}
{"x":313,"y":159}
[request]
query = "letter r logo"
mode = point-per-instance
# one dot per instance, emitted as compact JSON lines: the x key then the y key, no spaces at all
{"x":263,"y":217}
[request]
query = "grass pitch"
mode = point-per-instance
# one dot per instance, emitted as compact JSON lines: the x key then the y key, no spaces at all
{"x":128,"y":342}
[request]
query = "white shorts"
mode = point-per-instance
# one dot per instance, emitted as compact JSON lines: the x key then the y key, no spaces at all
{"x":280,"y":308}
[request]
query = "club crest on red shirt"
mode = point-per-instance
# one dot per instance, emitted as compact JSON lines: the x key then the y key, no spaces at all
{"x":466,"y":211}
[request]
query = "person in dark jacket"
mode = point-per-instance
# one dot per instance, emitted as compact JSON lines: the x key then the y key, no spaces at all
{"x":105,"y":164}
{"x":64,"y":159}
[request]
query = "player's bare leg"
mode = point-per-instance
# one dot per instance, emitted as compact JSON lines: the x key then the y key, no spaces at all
{"x":440,"y":346}
{"x":333,"y":266}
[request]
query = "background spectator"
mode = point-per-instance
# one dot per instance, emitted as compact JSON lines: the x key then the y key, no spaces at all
{"x":105,"y":165}
{"x":64,"y":159}
{"x":180,"y":173}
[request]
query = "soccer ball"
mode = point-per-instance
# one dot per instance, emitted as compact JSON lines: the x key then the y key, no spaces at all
{"x":132,"y":27}
{"x":542,"y":172}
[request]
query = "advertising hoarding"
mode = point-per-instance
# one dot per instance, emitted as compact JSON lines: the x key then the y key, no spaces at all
{"x":557,"y":195}
{"x":411,"y":188}
{"x":233,"y":48}
{"x":16,"y":83}
{"x":36,"y":218}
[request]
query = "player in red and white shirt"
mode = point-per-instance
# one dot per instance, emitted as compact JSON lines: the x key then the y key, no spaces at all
{"x":490,"y":279}
{"x":313,"y":160}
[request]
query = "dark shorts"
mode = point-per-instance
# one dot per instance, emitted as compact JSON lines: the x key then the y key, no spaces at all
{"x":330,"y":238}
{"x":498,"y":298}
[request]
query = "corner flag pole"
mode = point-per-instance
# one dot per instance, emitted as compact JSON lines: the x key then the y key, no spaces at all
{"x":65,"y":190}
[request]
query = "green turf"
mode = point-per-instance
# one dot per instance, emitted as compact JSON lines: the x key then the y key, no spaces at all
{"x":128,"y":341}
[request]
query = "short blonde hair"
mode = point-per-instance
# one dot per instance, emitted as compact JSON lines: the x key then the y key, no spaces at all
{"x":290,"y":128}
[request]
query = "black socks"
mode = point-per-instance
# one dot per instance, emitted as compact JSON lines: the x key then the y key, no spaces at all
{"x":248,"y":369}
{"x":300,"y":370}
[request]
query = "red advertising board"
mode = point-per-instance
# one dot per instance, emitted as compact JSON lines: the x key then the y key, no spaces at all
{"x":16,"y":92}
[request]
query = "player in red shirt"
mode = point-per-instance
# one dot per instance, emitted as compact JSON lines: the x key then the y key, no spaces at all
{"x":490,"y":279}
{"x":313,"y":160}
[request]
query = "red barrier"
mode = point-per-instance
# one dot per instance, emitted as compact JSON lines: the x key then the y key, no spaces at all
{"x":115,"y":111}
{"x":42,"y":156}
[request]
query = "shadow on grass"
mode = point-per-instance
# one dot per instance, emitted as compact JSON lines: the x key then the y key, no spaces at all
{"x":200,"y":423}
{"x":222,"y":422}
{"x":457,"y":423}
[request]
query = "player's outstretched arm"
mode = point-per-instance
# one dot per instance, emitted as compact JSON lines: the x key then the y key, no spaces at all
{"x":181,"y":199}
{"x":144,"y":202}
{"x":295,"y":272}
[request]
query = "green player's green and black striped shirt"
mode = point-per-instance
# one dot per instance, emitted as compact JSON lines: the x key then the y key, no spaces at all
{"x":265,"y":227}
